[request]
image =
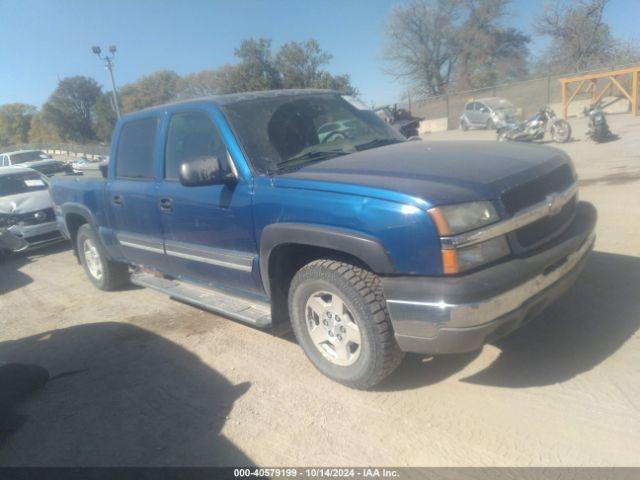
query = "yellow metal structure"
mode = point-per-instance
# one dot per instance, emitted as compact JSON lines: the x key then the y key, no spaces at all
{"x":588,"y":83}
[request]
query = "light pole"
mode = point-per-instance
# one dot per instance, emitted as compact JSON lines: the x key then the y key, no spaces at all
{"x":108,"y":62}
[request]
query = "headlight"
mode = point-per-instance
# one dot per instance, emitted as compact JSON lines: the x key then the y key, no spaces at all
{"x":462,"y":259}
{"x":454,"y":219}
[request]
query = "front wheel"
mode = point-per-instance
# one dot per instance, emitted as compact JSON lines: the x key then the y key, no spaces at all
{"x":561,"y":131}
{"x":103,"y":273}
{"x":340,"y":319}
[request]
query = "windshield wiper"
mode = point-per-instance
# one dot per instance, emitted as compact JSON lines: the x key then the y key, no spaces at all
{"x":377,"y":142}
{"x":314,"y":156}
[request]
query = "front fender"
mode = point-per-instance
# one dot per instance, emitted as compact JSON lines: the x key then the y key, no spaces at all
{"x":357,"y":244}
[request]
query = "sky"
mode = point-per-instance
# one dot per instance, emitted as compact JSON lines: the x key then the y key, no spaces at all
{"x":45,"y":40}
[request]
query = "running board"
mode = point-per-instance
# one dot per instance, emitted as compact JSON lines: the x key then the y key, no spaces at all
{"x":250,"y":311}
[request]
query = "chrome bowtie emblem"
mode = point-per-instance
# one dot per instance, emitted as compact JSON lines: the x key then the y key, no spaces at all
{"x":40,"y":215}
{"x":554,"y":203}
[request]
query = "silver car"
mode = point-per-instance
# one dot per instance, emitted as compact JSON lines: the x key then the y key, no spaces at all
{"x":26,"y":206}
{"x":487,"y":113}
{"x":36,"y":159}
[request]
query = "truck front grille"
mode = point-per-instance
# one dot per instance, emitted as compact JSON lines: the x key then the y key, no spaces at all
{"x":537,"y":233}
{"x":546,"y":228}
{"x":528,"y":194}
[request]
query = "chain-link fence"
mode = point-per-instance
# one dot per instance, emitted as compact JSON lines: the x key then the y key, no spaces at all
{"x":528,"y":96}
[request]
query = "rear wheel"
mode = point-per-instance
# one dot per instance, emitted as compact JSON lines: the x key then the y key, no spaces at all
{"x":103,"y":273}
{"x":561,"y":131}
{"x":464,"y":126}
{"x":340,"y":319}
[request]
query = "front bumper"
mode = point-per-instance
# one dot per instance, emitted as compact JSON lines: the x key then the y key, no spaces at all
{"x":37,"y":235}
{"x":460,"y":314}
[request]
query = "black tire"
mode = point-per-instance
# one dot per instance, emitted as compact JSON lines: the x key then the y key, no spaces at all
{"x":490,"y":125}
{"x":561,"y":126}
{"x":464,"y":126}
{"x":114,"y":275}
{"x":361,"y":292}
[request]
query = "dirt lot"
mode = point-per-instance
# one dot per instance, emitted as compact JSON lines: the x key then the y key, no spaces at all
{"x":155,"y":382}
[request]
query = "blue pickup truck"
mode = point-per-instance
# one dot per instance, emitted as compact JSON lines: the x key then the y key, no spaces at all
{"x":299,"y":209}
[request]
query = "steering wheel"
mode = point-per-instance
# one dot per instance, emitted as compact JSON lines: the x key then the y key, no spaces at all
{"x":333,"y":136}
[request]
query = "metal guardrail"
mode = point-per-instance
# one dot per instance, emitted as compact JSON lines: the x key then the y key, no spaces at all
{"x":91,"y":152}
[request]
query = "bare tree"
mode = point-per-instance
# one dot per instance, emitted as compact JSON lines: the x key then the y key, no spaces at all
{"x":436,"y":44}
{"x":580,"y":38}
{"x":489,"y":52}
{"x":422,"y":44}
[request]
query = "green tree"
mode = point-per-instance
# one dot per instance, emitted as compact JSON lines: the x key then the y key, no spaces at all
{"x":69,"y":108}
{"x":104,"y":117}
{"x":256,"y":70}
{"x":150,"y":90}
{"x":42,"y":130}
{"x":211,"y":82}
{"x":15,"y":121}
{"x":295,"y":65}
{"x":300,"y":64}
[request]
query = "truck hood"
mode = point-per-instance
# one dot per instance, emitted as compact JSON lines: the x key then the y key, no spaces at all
{"x":25,"y":202}
{"x":437,"y":172}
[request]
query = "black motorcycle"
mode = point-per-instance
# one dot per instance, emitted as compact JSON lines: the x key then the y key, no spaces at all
{"x":401,"y":119}
{"x":597,"y":128}
{"x":535,"y":128}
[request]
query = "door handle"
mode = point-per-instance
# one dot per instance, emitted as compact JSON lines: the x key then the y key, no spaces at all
{"x":166,"y":204}
{"x":117,"y":200}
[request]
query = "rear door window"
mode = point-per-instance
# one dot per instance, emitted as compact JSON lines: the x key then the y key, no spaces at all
{"x":136,"y":148}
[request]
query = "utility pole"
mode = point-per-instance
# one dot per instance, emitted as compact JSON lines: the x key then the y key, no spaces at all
{"x":108,"y":62}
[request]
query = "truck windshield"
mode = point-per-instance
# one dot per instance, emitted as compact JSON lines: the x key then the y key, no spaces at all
{"x":21,"y":183}
{"x":283,"y":133}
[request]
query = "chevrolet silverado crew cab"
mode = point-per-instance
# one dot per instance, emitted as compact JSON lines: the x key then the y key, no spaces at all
{"x":365,"y":244}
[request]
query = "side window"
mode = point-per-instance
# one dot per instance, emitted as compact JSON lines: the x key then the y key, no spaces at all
{"x":191,"y":135}
{"x":135,"y":149}
{"x":469,"y":106}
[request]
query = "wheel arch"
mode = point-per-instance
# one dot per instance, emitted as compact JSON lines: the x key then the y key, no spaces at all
{"x":76,"y":215}
{"x":287,"y":247}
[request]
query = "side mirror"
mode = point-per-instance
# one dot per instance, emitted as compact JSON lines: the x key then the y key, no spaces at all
{"x":201,"y":171}
{"x":104,"y":169}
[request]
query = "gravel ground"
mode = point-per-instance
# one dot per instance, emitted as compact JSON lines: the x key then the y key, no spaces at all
{"x":149,"y":381}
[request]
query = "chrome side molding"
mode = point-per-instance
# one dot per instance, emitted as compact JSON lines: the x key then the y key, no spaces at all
{"x":212,"y":256}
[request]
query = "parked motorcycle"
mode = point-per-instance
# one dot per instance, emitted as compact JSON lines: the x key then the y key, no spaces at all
{"x":401,"y":119}
{"x":535,"y":128}
{"x":597,"y":128}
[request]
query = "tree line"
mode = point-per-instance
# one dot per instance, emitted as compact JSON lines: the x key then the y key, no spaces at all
{"x":439,"y":46}
{"x":80,"y":111}
{"x":434,"y":46}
